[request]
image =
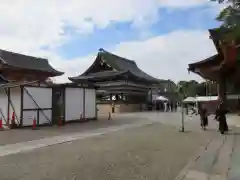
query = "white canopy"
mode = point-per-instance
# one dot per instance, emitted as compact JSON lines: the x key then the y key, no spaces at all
{"x":190,"y":100}
{"x":200,"y":99}
{"x":206,"y":98}
{"x":161,"y":98}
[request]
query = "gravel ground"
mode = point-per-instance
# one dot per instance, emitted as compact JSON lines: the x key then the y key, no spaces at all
{"x":152,"y":152}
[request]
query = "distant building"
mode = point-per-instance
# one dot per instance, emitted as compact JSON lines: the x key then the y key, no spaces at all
{"x":123,"y":86}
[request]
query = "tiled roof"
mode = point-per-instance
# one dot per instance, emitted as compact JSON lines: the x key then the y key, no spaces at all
{"x":21,"y":61}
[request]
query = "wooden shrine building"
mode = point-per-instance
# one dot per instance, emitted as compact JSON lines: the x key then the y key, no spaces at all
{"x":17,"y":99}
{"x":21,"y":68}
{"x":122,"y":85}
{"x":220,"y":67}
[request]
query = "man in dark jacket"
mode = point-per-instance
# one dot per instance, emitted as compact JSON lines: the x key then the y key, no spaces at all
{"x":203,"y":117}
{"x":221,"y":118}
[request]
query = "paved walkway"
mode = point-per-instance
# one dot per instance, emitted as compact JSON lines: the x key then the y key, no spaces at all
{"x":27,"y":134}
{"x":219,"y":159}
{"x":155,"y":151}
{"x":49,"y":141}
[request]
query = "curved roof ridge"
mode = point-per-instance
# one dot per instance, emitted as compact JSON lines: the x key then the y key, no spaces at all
{"x":117,"y":56}
{"x":19,"y":54}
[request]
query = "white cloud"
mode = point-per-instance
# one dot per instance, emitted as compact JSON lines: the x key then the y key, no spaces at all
{"x":165,"y":56}
{"x":168,"y":56}
{"x":181,"y":3}
{"x":28,"y":25}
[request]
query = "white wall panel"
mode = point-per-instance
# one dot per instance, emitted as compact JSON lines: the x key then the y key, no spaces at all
{"x":3,"y":104}
{"x":28,"y":117}
{"x":44,"y":118}
{"x":90,"y":103}
{"x":42,"y":96}
{"x":73,"y":103}
{"x":15,"y":97}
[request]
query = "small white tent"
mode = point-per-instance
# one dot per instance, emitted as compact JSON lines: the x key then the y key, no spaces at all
{"x":190,"y":100}
{"x":161,"y":98}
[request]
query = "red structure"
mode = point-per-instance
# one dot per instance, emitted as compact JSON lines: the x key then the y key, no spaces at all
{"x":221,"y":67}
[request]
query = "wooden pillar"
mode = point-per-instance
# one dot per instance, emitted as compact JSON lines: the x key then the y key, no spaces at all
{"x":222,"y":88}
{"x":151,"y":95}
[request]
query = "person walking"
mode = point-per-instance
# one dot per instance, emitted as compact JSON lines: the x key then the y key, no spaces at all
{"x":221,"y":118}
{"x":171,"y":106}
{"x":204,"y":118}
{"x":175,"y":106}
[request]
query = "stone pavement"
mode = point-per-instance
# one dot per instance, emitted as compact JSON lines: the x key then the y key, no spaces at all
{"x":148,"y":152}
{"x":27,"y":134}
{"x":219,"y":159}
{"x":49,"y":141}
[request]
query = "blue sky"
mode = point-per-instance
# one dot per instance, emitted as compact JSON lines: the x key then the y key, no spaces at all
{"x":195,"y":18}
{"x":158,"y":34}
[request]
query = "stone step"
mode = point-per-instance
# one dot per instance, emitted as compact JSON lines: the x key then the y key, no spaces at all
{"x":203,"y":165}
{"x":234,"y":171}
{"x":223,"y":160}
{"x":208,"y":158}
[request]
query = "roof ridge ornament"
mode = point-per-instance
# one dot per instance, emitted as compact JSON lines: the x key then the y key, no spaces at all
{"x":101,"y":50}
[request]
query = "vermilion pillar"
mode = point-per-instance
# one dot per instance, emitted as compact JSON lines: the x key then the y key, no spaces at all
{"x":222,"y":88}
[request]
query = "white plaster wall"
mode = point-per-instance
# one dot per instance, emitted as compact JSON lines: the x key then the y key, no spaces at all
{"x":44,"y":118}
{"x":42,"y":96}
{"x":28,"y":117}
{"x":15,"y":97}
{"x":73,"y":103}
{"x":3,"y":104}
{"x":90,"y":103}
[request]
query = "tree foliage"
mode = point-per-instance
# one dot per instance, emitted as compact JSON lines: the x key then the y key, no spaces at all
{"x":193,"y":88}
{"x":209,"y":88}
{"x":230,"y":16}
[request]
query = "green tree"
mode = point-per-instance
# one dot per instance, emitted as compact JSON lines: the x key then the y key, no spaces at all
{"x":187,"y":88}
{"x":230,"y":16}
{"x":208,"y":88}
